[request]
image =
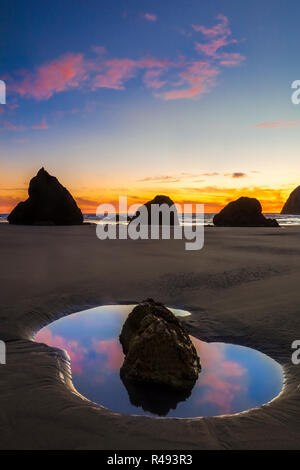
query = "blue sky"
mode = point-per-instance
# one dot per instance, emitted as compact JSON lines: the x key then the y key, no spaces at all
{"x":184,"y":97}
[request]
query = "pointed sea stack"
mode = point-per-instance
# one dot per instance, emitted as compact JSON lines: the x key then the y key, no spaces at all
{"x":244,"y":212}
{"x":292,"y":205}
{"x":159,"y":200}
{"x":49,"y":203}
{"x":158,"y":349}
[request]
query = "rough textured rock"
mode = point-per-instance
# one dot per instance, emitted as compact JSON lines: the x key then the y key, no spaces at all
{"x":157,"y":349}
{"x":49,"y":203}
{"x":244,"y":212}
{"x":159,"y":200}
{"x":292,"y":205}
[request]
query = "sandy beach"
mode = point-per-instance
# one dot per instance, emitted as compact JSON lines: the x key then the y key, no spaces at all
{"x":242,"y":288}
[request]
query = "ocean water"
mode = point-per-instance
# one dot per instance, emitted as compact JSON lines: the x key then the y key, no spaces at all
{"x":208,"y":218}
{"x":284,"y":220}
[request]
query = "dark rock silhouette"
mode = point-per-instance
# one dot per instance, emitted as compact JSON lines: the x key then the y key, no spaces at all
{"x":159,"y":200}
{"x":292,"y":205}
{"x":244,"y":212}
{"x":157,"y":399}
{"x":158,"y":349}
{"x":49,"y":203}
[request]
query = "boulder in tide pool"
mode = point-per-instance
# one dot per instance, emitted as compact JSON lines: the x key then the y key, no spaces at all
{"x":158,"y":349}
{"x":49,"y":203}
{"x":244,"y":212}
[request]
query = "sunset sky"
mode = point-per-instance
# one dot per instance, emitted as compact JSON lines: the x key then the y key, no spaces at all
{"x":186,"y":98}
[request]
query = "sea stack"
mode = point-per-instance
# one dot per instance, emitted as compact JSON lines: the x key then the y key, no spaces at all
{"x":158,"y":200}
{"x":158,"y":349}
{"x":292,"y":205}
{"x":244,"y":212}
{"x":49,"y":203}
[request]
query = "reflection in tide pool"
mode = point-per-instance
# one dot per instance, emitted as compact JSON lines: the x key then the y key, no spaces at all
{"x":233,"y":378}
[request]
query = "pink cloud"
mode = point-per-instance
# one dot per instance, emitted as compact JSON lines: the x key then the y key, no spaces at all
{"x":191,"y":92}
{"x":12,"y":127}
{"x":211,"y":48}
{"x":221,"y":382}
{"x":76,"y":352}
{"x":66,"y":72}
{"x":112,"y":350}
{"x":151,"y":79}
{"x":182,"y":78}
{"x":221,"y":392}
{"x":12,"y":106}
{"x":219,"y":29}
{"x":199,"y":72}
{"x":231,"y":59}
{"x":42,"y":125}
{"x":115,"y":72}
{"x":150,"y":17}
{"x":277,"y":124}
{"x":199,"y":78}
{"x":218,"y":37}
{"x":232,"y":369}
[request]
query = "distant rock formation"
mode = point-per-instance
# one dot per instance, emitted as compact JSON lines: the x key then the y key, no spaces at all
{"x":158,"y":349}
{"x":292,"y":205}
{"x":49,"y":203}
{"x":244,"y":212}
{"x":159,"y":200}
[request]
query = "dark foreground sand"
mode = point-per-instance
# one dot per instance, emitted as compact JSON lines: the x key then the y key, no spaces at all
{"x":243,"y":287}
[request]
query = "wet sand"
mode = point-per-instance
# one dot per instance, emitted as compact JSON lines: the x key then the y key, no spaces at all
{"x":242,"y":287}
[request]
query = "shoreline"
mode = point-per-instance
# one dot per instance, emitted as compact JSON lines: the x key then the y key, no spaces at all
{"x":241,"y":288}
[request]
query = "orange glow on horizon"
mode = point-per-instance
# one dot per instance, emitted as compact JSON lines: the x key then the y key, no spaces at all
{"x":214,"y":198}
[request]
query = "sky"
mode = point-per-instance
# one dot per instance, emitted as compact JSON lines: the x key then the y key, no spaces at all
{"x":136,"y":98}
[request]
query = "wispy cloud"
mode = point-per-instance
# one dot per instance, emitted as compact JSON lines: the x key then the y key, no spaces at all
{"x":236,"y":174}
{"x":196,"y":79}
{"x":220,"y":29}
{"x":217,"y":37}
{"x":115,"y":72}
{"x":151,"y":79}
{"x":192,"y":177}
{"x":42,"y":125}
{"x":87,"y":202}
{"x":180,"y":78}
{"x":12,"y":127}
{"x":150,"y":17}
{"x":61,"y":74}
{"x":277,"y":124}
{"x":211,"y":47}
{"x":160,"y":179}
{"x":231,"y":59}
